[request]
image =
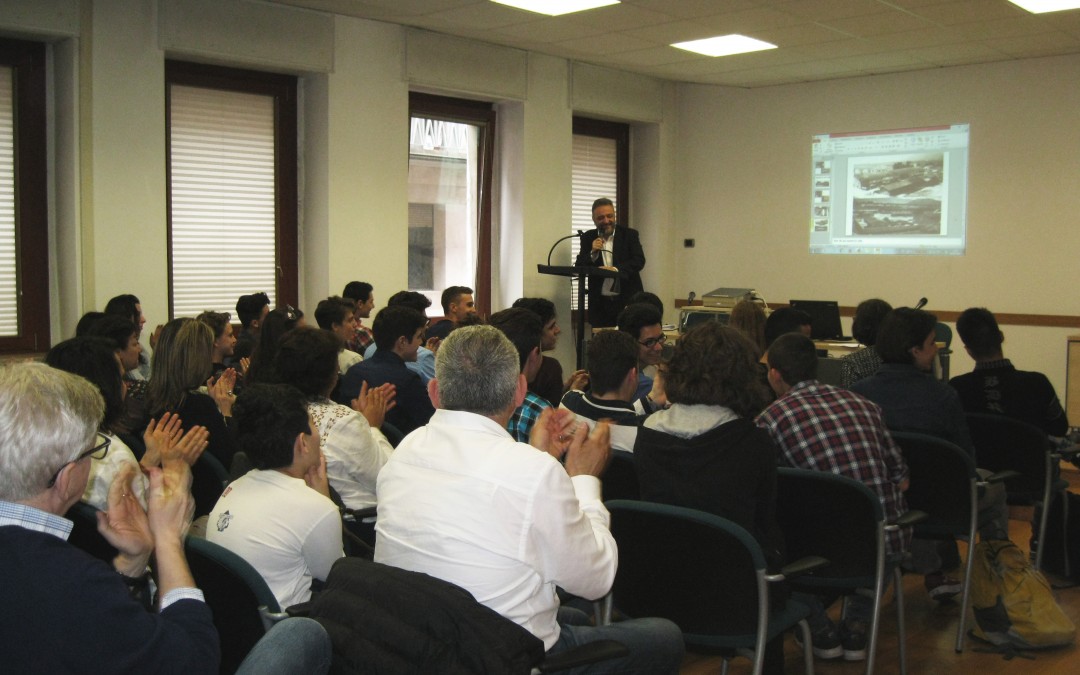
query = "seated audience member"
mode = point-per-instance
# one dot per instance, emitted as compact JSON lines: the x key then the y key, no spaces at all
{"x":87,"y":321}
{"x":250,"y":311}
{"x":224,"y":340}
{"x":182,"y":366}
{"x":65,"y":611}
{"x":786,"y":320}
{"x":354,"y":448}
{"x":825,"y":428}
{"x":643,"y":323}
{"x":278,"y":516}
{"x":463,"y":502}
{"x":649,"y":299}
{"x":913,"y":400}
{"x":363,"y":296}
{"x":457,"y":305}
{"x":398,"y":332}
{"x":548,"y":383}
{"x":996,"y":386}
{"x":424,"y":365}
{"x":749,"y":317}
{"x":613,"y":380}
{"x":125,"y":339}
{"x":275,"y":325}
{"x":704,"y":452}
{"x":337,"y":316}
{"x":864,"y":328}
{"x":523,"y":328}
{"x":129,"y":307}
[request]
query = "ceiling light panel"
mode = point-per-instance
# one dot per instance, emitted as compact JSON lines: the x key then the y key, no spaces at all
{"x":556,"y":7}
{"x":724,"y":45}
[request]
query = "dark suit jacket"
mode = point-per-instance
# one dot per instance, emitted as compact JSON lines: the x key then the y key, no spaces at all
{"x":413,"y":407}
{"x":627,"y":256}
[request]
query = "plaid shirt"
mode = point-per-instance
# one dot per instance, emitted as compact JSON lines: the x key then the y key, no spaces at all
{"x":825,"y":428}
{"x":523,"y":419}
{"x":362,"y":338}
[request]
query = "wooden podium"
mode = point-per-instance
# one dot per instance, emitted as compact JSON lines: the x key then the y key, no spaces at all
{"x":582,"y":273}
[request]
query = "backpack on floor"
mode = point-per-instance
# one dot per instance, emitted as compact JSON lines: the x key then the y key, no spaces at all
{"x":1013,"y":602}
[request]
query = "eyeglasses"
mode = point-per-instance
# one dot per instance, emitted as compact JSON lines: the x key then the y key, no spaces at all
{"x":97,"y":452}
{"x":652,"y":342}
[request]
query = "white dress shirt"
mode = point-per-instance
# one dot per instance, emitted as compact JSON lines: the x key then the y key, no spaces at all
{"x":355,"y":453}
{"x":462,"y":501}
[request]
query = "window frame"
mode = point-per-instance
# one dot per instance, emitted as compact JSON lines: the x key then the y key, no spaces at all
{"x":481,"y":114}
{"x":28,"y":59}
{"x":283,"y":90}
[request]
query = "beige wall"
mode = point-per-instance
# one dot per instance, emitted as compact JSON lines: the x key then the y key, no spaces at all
{"x":742,"y":191}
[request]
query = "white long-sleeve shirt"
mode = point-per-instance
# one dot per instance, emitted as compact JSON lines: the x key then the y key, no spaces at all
{"x":462,"y":501}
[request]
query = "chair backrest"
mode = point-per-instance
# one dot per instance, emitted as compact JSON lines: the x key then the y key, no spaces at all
{"x":235,"y":593}
{"x":942,"y":481}
{"x":392,"y":433}
{"x":832,"y":516}
{"x":1005,"y":443}
{"x":620,"y":480}
{"x":85,"y":534}
{"x":208,"y":481}
{"x":830,"y":370}
{"x":694,"y":568}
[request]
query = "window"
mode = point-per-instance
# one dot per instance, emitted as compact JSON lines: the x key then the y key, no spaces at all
{"x":24,"y":245}
{"x":451,"y":146}
{"x":232,"y":184}
{"x":601,"y":159}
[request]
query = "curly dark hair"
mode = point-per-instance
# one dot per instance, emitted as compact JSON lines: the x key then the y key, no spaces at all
{"x":716,"y":365}
{"x":868,"y":317}
{"x":307,"y":358}
{"x":268,"y":419}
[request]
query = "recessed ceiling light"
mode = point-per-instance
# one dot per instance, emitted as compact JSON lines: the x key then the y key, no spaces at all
{"x":724,"y":45}
{"x":1043,"y":6}
{"x":556,"y":7}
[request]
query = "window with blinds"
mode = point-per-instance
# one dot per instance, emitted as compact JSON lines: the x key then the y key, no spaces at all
{"x":599,"y":168}
{"x":24,"y":245}
{"x":229,"y":206}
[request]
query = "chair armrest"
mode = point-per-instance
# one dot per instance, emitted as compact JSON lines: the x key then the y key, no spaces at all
{"x":270,"y":618}
{"x":798,"y":567}
{"x":360,"y":514}
{"x":908,"y":519}
{"x":998,"y":477}
{"x":1069,"y":453}
{"x":590,"y":652}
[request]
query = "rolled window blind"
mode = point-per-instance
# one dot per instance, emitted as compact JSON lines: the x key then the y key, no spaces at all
{"x":9,"y":273}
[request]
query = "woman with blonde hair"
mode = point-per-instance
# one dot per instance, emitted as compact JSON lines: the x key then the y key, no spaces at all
{"x":181,"y":383}
{"x":749,"y":317}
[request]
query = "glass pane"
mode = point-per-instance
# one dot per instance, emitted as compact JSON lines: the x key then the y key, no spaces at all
{"x":223,"y":198}
{"x":443,"y":171}
{"x":9,"y":319}
{"x":592,"y":176}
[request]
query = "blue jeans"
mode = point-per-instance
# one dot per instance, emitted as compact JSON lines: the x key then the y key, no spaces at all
{"x":295,"y":645}
{"x":656,"y":645}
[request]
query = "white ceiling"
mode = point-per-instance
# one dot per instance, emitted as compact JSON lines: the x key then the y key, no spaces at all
{"x":817,"y":39}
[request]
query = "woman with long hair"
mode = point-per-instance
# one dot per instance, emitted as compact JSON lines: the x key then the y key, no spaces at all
{"x":181,"y":384}
{"x":274,"y":325}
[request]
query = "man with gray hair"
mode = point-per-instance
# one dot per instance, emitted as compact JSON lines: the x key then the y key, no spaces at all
{"x":65,"y":611}
{"x":463,"y":501}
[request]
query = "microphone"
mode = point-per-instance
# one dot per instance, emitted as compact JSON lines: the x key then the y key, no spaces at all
{"x":921,"y":303}
{"x":560,"y":239}
{"x":690,"y":298}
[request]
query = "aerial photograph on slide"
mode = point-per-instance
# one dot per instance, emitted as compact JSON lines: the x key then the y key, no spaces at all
{"x":897,"y":195}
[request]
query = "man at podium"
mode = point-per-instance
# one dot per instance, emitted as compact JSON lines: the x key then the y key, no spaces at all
{"x":615,"y":248}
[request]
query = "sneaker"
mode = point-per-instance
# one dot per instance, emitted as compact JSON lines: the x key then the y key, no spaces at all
{"x":825,"y":642}
{"x":941,"y":587}
{"x":853,"y":641}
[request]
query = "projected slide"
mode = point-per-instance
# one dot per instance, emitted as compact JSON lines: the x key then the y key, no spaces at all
{"x":890,"y":192}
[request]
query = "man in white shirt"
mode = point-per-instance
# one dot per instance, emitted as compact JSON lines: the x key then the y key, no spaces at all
{"x":279,"y":517}
{"x":462,"y":501}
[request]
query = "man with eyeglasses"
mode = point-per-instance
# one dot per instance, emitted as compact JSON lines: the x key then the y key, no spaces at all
{"x":615,"y":248}
{"x":644,"y":323}
{"x":65,"y":611}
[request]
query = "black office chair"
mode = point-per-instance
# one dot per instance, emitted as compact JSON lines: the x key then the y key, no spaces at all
{"x":85,"y":534}
{"x":830,"y":370}
{"x":620,"y":480}
{"x":945,"y":485}
{"x":1003,"y":443}
{"x":208,"y":480}
{"x":842,"y":520}
{"x":704,"y":573}
{"x":242,"y":604}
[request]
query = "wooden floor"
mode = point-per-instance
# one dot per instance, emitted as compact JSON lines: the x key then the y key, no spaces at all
{"x":931,"y":632}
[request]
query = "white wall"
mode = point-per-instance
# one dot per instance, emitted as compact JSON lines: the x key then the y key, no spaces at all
{"x":742,"y":191}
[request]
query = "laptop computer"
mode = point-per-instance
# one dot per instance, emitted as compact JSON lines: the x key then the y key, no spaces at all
{"x":825,"y":315}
